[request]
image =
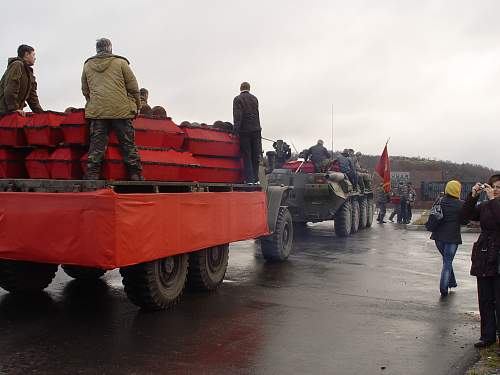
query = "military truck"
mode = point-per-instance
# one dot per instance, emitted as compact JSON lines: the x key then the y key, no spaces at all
{"x":315,"y":197}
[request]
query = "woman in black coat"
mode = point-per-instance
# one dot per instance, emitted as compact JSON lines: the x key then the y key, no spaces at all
{"x":447,"y":235}
{"x":485,"y":253}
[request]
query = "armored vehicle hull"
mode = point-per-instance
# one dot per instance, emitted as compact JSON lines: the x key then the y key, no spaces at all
{"x":316,"y":197}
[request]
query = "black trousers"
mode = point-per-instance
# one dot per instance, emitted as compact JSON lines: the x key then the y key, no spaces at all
{"x":251,"y":149}
{"x":404,"y":215}
{"x":488,"y":292}
{"x":382,"y":210}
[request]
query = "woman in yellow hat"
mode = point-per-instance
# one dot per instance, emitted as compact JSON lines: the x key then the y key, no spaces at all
{"x":447,"y":234}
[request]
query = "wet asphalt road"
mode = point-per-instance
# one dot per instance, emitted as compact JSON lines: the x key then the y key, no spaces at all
{"x":368,"y":304}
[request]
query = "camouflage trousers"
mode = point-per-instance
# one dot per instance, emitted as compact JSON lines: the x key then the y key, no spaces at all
{"x":99,"y":136}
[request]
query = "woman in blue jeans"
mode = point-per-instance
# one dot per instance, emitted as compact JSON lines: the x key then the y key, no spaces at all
{"x":447,"y":235}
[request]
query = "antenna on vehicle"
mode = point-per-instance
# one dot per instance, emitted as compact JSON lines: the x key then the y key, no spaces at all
{"x":332,"y":129}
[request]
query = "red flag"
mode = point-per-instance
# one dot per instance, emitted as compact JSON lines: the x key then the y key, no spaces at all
{"x":383,"y":168}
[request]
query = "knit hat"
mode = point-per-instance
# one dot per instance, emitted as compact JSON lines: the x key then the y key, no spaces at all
{"x":453,"y":188}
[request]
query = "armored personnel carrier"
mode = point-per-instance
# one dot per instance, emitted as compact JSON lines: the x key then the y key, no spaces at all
{"x":315,"y":197}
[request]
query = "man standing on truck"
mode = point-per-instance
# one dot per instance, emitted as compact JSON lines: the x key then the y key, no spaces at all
{"x":113,"y":100}
{"x":318,"y":155}
{"x":18,"y":84}
{"x":247,"y":126}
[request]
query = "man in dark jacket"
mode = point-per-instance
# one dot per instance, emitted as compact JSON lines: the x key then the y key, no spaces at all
{"x":247,"y":126}
{"x":317,"y":154}
{"x":447,"y":235}
{"x":113,"y":100}
{"x":18,"y":84}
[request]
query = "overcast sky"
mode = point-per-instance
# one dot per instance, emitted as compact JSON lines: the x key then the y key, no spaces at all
{"x":425,"y":73}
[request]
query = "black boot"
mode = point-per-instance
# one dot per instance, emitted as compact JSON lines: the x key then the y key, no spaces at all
{"x":135,"y":175}
{"x":93,"y":172}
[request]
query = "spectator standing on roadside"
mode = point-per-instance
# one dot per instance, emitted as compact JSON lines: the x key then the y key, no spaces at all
{"x":382,"y":199}
{"x":485,"y":255}
{"x":447,"y":235}
{"x":403,"y":202}
{"x":412,"y":196}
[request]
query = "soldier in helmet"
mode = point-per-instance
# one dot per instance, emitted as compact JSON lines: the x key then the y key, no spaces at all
{"x":318,"y":155}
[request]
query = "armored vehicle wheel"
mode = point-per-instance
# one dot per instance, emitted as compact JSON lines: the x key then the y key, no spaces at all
{"x":25,"y":277}
{"x":207,"y":267}
{"x":370,"y":211}
{"x":277,"y":246}
{"x":158,"y":284}
{"x":363,"y":213}
{"x":83,"y":273}
{"x":343,"y":220}
{"x":355,"y":216}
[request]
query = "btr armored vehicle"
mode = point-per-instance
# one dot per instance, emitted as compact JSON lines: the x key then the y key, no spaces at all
{"x":315,"y":197}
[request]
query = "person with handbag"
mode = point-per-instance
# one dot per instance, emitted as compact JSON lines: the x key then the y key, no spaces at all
{"x":485,"y":265}
{"x":446,"y":233}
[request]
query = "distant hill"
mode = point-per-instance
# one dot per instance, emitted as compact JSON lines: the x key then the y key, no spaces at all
{"x":448,"y":169}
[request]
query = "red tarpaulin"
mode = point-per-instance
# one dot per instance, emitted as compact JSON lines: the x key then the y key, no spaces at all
{"x":108,"y":230}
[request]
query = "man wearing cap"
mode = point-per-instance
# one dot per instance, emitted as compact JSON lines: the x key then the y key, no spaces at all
{"x":247,"y":126}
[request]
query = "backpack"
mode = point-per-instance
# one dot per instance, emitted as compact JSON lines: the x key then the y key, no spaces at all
{"x":435,"y":216}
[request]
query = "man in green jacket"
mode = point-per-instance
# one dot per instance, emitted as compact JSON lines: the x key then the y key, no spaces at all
{"x":113,"y":100}
{"x":18,"y":84}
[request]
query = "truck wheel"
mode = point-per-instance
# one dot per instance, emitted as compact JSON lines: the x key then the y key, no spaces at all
{"x":158,"y":284}
{"x":343,"y":220}
{"x":363,"y":213}
{"x":83,"y":273}
{"x":207,"y":267}
{"x":355,"y":216}
{"x":277,"y":246}
{"x":369,"y":217}
{"x":25,"y":277}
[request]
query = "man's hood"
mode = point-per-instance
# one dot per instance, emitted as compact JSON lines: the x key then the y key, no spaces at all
{"x":12,"y":59}
{"x":102,"y":61}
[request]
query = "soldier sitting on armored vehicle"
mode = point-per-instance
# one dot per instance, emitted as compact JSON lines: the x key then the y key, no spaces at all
{"x":319,"y":156}
{"x":363,"y":173}
{"x":347,"y":166}
{"x":283,"y":152}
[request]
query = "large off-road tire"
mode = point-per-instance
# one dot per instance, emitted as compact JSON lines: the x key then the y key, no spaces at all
{"x":355,"y":216}
{"x":83,"y":273}
{"x":370,"y":212}
{"x":25,"y":277}
{"x":277,"y":246}
{"x":158,"y":284}
{"x":343,"y":220}
{"x":207,"y":267}
{"x":363,"y":212}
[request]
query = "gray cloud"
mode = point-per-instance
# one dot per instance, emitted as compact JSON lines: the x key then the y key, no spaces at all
{"x":424,"y":73}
